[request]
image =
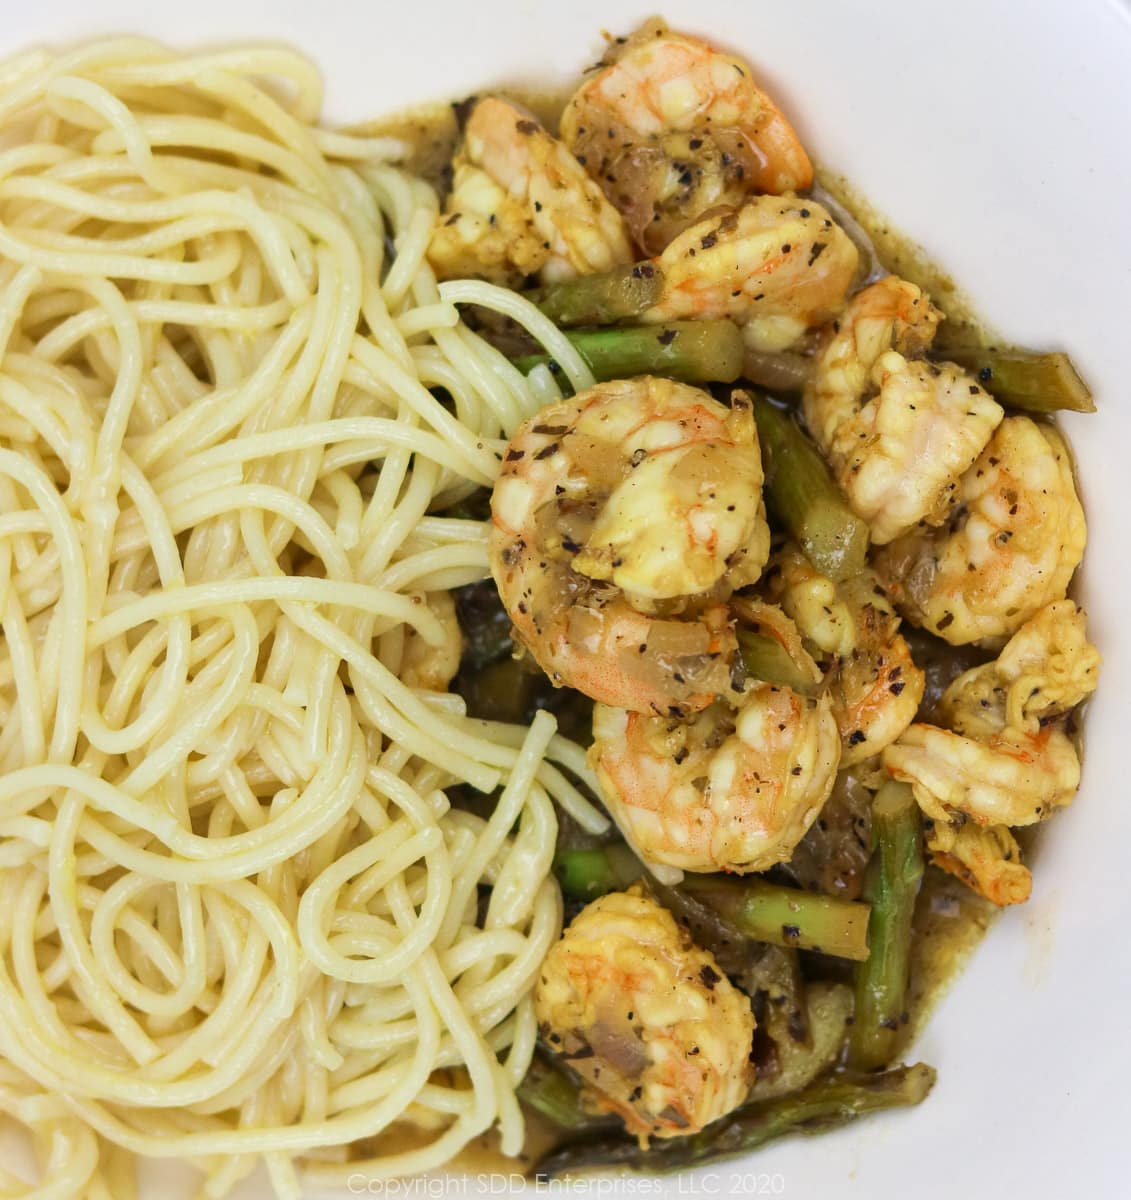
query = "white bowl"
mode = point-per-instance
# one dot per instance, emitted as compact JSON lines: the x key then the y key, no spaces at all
{"x":996,"y":134}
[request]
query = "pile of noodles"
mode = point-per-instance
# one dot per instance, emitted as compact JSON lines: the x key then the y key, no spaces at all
{"x":240,"y":921}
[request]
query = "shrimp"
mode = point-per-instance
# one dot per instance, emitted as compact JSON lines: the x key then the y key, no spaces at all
{"x":645,"y":1017}
{"x":812,"y":601}
{"x":986,"y":858}
{"x":779,"y":267}
{"x":1009,"y":778}
{"x":727,"y":790}
{"x":522,"y":205}
{"x":621,"y":519}
{"x":1011,"y":547}
{"x":672,"y":127}
{"x":433,"y":668}
{"x":898,"y":432}
{"x":1006,"y":762}
{"x":1045,"y":669}
{"x":875,"y":686}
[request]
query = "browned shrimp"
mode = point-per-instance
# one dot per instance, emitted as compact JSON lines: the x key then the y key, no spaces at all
{"x":645,"y":1017}
{"x":521,"y":205}
{"x":620,"y":520}
{"x":778,"y":266}
{"x":672,"y":127}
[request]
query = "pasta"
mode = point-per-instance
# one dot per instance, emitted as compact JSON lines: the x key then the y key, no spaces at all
{"x":239,"y":919}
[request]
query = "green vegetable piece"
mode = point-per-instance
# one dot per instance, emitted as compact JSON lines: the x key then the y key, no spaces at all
{"x":768,"y":912}
{"x":603,"y":298}
{"x":801,"y":491}
{"x":691,"y":351}
{"x":827,"y":1103}
{"x":1025,"y":379}
{"x":587,"y":874}
{"x":891,"y":885}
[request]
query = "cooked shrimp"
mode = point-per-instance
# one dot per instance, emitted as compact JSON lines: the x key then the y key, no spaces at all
{"x":986,"y":858}
{"x":1010,"y":549}
{"x":645,"y":1017}
{"x":875,"y":686}
{"x":521,"y":205}
{"x":1011,"y":778}
{"x":1046,"y":668}
{"x":433,"y":667}
{"x":727,"y":790}
{"x":1005,"y":763}
{"x":812,"y":601}
{"x":672,"y":127}
{"x":779,"y":267}
{"x":620,"y":518}
{"x":898,"y":432}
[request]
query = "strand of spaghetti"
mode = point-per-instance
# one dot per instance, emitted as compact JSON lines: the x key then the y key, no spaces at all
{"x":73,"y":617}
{"x":361,"y":439}
{"x":200,"y":597}
{"x":531,"y":318}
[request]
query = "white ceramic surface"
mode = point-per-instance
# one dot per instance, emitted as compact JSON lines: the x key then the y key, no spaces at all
{"x":997,"y":133}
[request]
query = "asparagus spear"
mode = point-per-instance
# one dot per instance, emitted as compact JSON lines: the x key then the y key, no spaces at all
{"x":603,"y":298}
{"x":587,"y":874}
{"x":767,"y":912}
{"x":765,"y":658}
{"x":891,"y":885}
{"x":808,"y":502}
{"x":693,"y":351}
{"x":1024,"y":378}
{"x":826,"y":1103}
{"x":783,"y":371}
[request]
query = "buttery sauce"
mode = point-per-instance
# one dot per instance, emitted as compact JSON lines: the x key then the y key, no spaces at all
{"x":950,"y":920}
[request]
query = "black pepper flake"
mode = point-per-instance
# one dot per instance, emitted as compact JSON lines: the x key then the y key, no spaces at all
{"x":856,"y":737}
{"x":709,"y":976}
{"x":707,"y":242}
{"x":547,"y":452}
{"x":695,"y":143}
{"x":514,"y":455}
{"x":537,"y":205}
{"x":815,"y":253}
{"x":667,"y":337}
{"x":795,"y":771}
{"x":452,"y":219}
{"x":945,"y":620}
{"x":791,"y":932}
{"x":527,"y":127}
{"x":985,"y":375}
{"x":786,"y":248}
